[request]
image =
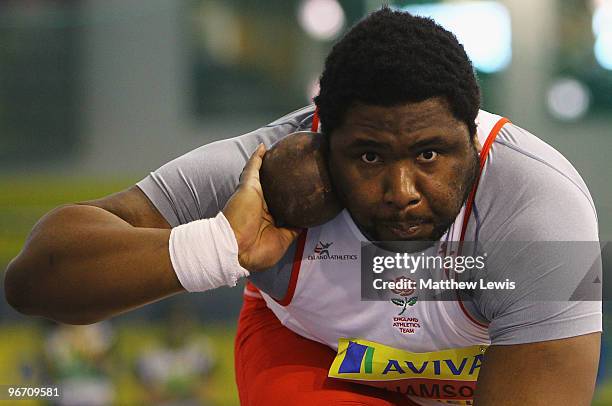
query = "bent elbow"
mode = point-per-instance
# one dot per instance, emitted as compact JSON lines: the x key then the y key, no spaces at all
{"x":19,"y":297}
{"x":15,"y":288}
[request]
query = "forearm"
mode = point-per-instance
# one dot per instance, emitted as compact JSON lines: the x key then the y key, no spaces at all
{"x":528,"y":374}
{"x":82,"y":264}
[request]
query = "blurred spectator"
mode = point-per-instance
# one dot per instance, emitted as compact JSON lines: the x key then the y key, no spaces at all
{"x":175,"y":372}
{"x":77,"y":359}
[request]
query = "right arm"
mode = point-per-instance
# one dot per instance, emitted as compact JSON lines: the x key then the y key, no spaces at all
{"x":89,"y":261}
{"x":86,"y":262}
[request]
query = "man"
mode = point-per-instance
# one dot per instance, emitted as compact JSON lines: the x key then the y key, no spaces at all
{"x":408,"y":146}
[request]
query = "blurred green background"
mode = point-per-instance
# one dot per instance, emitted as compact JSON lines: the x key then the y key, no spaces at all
{"x":94,"y":94}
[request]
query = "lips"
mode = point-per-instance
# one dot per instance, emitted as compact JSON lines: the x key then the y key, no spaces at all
{"x":404,"y":223}
{"x":405,"y":230}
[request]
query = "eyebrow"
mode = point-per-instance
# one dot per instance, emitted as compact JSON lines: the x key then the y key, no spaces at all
{"x":429,"y":141}
{"x":370,"y":143}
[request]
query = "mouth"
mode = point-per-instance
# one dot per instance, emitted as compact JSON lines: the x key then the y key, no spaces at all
{"x":406,"y":230}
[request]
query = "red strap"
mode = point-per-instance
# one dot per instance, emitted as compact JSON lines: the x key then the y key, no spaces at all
{"x":301,"y":242}
{"x":470,"y":202}
{"x":295,"y":269}
{"x":297,"y":259}
{"x":315,"y":121}
{"x":483,"y":159}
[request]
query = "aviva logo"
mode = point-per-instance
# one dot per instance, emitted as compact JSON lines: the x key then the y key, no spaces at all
{"x":356,"y":355}
{"x":369,"y":360}
{"x":448,"y":375}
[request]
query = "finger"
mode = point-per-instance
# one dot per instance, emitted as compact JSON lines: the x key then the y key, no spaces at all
{"x":251,"y":169}
{"x":252,"y":163}
{"x":288,"y":235}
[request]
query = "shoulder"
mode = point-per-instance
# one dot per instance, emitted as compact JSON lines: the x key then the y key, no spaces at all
{"x":234,"y":152}
{"x":529,"y":190}
{"x":198,"y":184}
{"x":531,"y":208}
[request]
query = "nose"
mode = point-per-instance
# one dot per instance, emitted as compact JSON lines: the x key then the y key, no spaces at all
{"x":400,"y":189}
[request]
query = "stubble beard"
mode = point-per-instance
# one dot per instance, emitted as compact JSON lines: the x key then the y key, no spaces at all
{"x":466,"y":188}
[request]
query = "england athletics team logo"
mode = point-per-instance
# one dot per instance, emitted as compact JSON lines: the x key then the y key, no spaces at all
{"x":322,"y":248}
{"x":405,"y":288}
{"x":404,"y":292}
{"x":322,"y":251}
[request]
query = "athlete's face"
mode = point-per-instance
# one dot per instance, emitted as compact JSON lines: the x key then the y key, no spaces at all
{"x":403,"y":172}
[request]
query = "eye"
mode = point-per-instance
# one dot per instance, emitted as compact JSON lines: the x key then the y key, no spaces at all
{"x":427,"y":156}
{"x":370,"y":158}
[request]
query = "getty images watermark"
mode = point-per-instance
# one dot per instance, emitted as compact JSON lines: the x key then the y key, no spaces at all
{"x":537,"y":271}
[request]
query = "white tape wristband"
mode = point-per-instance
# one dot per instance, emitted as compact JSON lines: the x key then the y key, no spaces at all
{"x":204,"y":254}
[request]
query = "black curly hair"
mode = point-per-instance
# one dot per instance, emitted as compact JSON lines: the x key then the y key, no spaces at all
{"x":391,"y":58}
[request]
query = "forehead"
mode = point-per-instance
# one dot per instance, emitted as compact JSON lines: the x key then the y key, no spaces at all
{"x":402,"y":123}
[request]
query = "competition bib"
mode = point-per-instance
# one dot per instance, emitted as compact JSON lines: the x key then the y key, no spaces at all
{"x":448,"y":376}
